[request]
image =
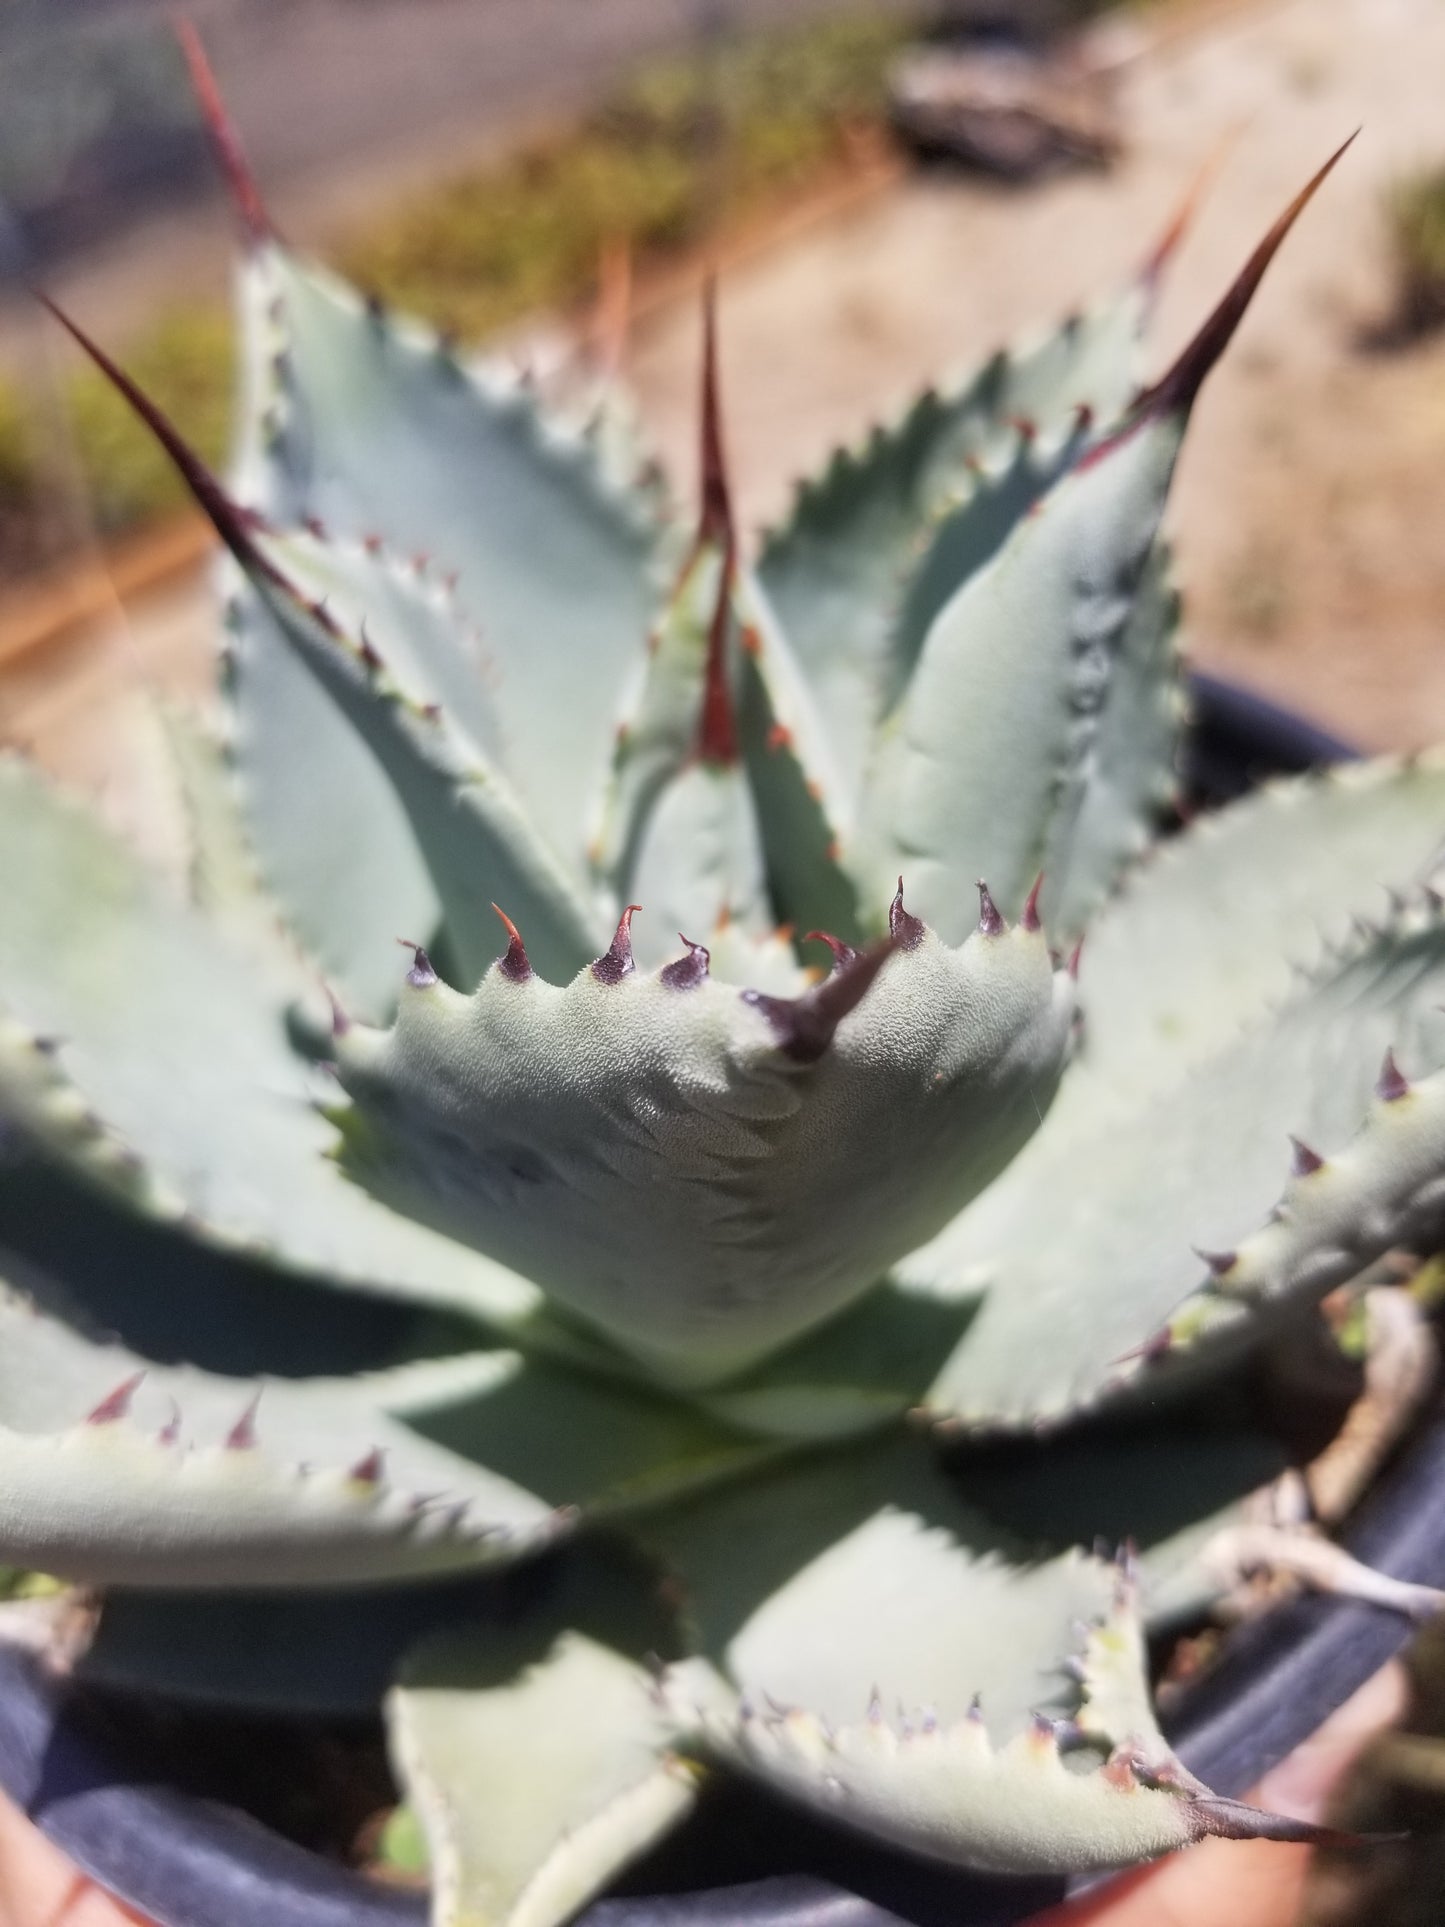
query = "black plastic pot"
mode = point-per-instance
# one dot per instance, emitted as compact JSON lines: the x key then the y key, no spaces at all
{"x":190,"y":1862}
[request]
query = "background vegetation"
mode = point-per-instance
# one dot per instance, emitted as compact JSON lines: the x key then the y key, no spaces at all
{"x":681,"y":149}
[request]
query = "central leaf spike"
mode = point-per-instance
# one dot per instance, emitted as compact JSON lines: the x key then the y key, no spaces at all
{"x":717,"y":740}
{"x":616,"y":962}
{"x":805,"y":1025}
{"x":1175,"y":392}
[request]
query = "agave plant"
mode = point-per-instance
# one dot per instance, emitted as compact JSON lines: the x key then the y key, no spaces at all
{"x":579,"y":1334}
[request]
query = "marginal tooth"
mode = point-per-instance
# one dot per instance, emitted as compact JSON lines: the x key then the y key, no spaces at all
{"x":804,"y":1026}
{"x":115,"y":1405}
{"x":514,"y":964}
{"x":990,"y":923}
{"x":422,"y":974}
{"x":875,"y":1708}
{"x":1075,"y":957}
{"x":1392,"y":1084}
{"x":686,"y":973}
{"x":370,"y":655}
{"x":1303,"y":1161}
{"x":340,"y":1022}
{"x":843,"y":953}
{"x":170,"y":1432}
{"x":906,"y":930}
{"x":1041,"y":1735}
{"x":1029,"y":920}
{"x":1219,"y":1263}
{"x":616,"y":961}
{"x":369,"y":1470}
{"x":242,"y":1435}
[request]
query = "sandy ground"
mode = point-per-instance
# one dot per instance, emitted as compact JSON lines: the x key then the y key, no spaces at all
{"x":1311,"y":497}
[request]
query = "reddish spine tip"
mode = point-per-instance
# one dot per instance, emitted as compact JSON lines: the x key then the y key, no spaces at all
{"x":990,"y":922}
{"x":716,"y":523}
{"x":115,"y":1405}
{"x":340,"y":1022}
{"x":1303,"y":1161}
{"x":368,"y":1470}
{"x":905,"y":929}
{"x":686,"y":973}
{"x":242,"y":1435}
{"x":170,"y":1432}
{"x":843,"y":953}
{"x":1075,"y":958}
{"x":616,"y":961}
{"x":514,"y":964}
{"x":230,"y":154}
{"x":1030,"y":917}
{"x":1392,"y":1084}
{"x":1175,"y":393}
{"x":422,"y":974}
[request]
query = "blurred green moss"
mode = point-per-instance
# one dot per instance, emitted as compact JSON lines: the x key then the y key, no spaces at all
{"x":1415,"y":215}
{"x":679,"y":149}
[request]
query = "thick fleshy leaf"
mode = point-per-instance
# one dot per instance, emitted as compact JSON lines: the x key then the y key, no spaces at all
{"x":835,"y":569}
{"x":1088,"y":1300}
{"x":984,"y":764}
{"x":356,"y":623}
{"x":699,"y":861}
{"x":982,"y":768}
{"x":375,"y":428}
{"x":165,"y":1294}
{"x":332,"y":840}
{"x":529,"y":1118}
{"x":793,"y":782}
{"x":146,"y":1055}
{"x":536,"y":1786}
{"x":575,"y":1442}
{"x":115,"y":1472}
{"x":896,"y":1668}
{"x":1208,"y":934}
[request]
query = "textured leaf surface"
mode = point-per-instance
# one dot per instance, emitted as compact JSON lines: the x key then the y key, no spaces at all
{"x":871,"y":1611}
{"x":375,"y":428}
{"x":180,"y":1479}
{"x":173,"y":1085}
{"x":574,"y":1442}
{"x":529,"y":1118}
{"x":1137,"y":1189}
{"x":534,"y":1788}
{"x":355,"y":624}
{"x":331,"y":837}
{"x":1208,"y":933}
{"x":982,"y":768}
{"x":835,"y":570}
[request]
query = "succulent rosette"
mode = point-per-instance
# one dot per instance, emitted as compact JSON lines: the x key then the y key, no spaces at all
{"x":665,"y":1244}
